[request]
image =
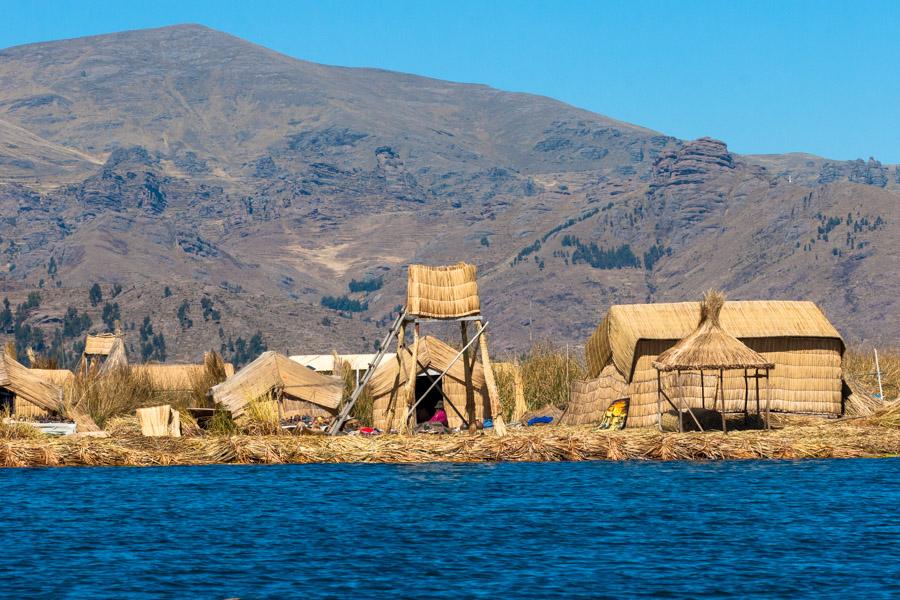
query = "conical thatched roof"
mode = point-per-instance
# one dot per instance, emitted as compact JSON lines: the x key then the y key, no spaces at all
{"x":709,"y":346}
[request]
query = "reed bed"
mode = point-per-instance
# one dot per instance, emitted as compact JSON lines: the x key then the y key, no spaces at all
{"x":850,"y":439}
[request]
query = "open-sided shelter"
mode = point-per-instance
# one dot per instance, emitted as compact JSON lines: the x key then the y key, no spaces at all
{"x":795,"y":336}
{"x":21,"y":389}
{"x":708,"y":351}
{"x":296,"y":389}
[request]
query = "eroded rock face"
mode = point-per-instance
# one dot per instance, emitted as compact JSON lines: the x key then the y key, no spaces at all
{"x":128,"y":179}
{"x":870,"y":172}
{"x":688,"y":183}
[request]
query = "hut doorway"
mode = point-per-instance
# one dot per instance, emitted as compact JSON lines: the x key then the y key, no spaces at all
{"x":427,"y":405}
{"x":7,"y":401}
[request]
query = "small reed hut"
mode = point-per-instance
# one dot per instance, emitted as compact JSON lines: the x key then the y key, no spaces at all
{"x":172,"y":380}
{"x":433,"y":357}
{"x":104,"y":351}
{"x":708,"y":350}
{"x":796,"y":337}
{"x":25,"y":393}
{"x":297,"y":390}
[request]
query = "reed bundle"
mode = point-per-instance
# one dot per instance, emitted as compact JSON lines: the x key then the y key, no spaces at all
{"x":852,"y":439}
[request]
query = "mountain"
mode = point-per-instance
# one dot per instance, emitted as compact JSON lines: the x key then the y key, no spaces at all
{"x":223,"y":189}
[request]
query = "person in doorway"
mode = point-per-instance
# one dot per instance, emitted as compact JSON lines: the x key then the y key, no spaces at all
{"x":440,"y":415}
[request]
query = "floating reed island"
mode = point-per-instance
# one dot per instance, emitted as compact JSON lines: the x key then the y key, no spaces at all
{"x":692,"y":380}
{"x":876,"y":436}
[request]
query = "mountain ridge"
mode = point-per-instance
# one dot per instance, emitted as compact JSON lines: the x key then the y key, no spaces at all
{"x":265,"y":185}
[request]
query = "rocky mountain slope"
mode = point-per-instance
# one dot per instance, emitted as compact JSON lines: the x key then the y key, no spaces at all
{"x":220,"y":189}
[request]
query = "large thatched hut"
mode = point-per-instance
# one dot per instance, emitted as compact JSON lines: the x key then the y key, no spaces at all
{"x":434,"y":356}
{"x":796,"y":337}
{"x":296,"y":389}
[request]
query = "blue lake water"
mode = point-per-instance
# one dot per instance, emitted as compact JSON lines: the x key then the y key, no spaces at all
{"x":749,"y":529}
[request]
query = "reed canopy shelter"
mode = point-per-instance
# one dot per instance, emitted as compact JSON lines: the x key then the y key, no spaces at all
{"x":442,"y":294}
{"x":795,"y":336}
{"x":708,"y":350}
{"x":296,"y":390}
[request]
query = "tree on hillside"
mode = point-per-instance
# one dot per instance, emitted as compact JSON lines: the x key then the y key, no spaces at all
{"x":183,"y":319}
{"x":95,"y":294}
{"x":110,"y":315}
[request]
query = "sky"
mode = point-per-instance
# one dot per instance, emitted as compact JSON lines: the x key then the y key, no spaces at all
{"x":765,"y":76}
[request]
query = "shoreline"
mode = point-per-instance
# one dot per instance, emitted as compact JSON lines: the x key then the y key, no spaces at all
{"x":550,"y":444}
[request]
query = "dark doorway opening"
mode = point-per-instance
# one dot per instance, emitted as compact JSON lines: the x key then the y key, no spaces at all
{"x":7,"y":401}
{"x":425,"y":409}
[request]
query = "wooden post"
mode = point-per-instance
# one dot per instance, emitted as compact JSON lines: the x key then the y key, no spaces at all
{"x":659,"y":400}
{"x":746,"y":398}
{"x":397,"y":393}
{"x":491,"y":384}
{"x":758,"y":411}
{"x":467,"y":370}
{"x":410,"y":396}
{"x":703,"y":391}
{"x":768,"y":396}
{"x":722,"y":392}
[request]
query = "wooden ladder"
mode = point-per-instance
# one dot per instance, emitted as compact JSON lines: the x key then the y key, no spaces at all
{"x":345,"y":411}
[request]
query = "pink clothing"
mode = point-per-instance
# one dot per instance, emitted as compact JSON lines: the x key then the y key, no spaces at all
{"x":439,"y":417}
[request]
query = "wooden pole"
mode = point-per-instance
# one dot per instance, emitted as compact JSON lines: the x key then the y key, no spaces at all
{"x":757,"y":392}
{"x":703,"y":391}
{"x":722,"y":392}
{"x":878,"y":373}
{"x":746,"y":398}
{"x":659,"y":400}
{"x":768,"y":396}
{"x":467,"y":370}
{"x":410,"y":394}
{"x":491,"y":384}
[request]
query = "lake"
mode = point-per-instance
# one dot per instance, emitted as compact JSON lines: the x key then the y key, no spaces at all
{"x":825,"y":528}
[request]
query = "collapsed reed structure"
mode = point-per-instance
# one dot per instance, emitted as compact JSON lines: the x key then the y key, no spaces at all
{"x":28,"y":392}
{"x":446,"y":294}
{"x":796,"y":337}
{"x":295,"y":389}
{"x":104,"y":351}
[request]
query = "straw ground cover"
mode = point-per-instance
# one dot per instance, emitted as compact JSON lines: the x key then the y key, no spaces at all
{"x":815,"y":439}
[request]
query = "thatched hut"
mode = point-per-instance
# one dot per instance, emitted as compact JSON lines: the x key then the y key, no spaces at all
{"x":796,"y":337}
{"x":26,"y":393}
{"x":434,"y":356}
{"x":296,"y":389}
{"x":175,"y":379}
{"x":105,"y":351}
{"x":708,"y":351}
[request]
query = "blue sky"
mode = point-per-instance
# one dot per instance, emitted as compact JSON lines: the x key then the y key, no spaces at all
{"x":765,"y":76}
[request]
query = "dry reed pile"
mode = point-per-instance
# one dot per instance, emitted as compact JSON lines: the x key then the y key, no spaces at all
{"x":849,"y":439}
{"x":859,"y":368}
{"x":547,"y":375}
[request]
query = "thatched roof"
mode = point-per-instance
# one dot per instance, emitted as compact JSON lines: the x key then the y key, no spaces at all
{"x":28,"y":385}
{"x":442,"y":292}
{"x":273,"y":373}
{"x":709,"y":346}
{"x":432,"y":354}
{"x":100,"y":344}
{"x":58,"y":377}
{"x":625,"y":325}
{"x":175,"y":378}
